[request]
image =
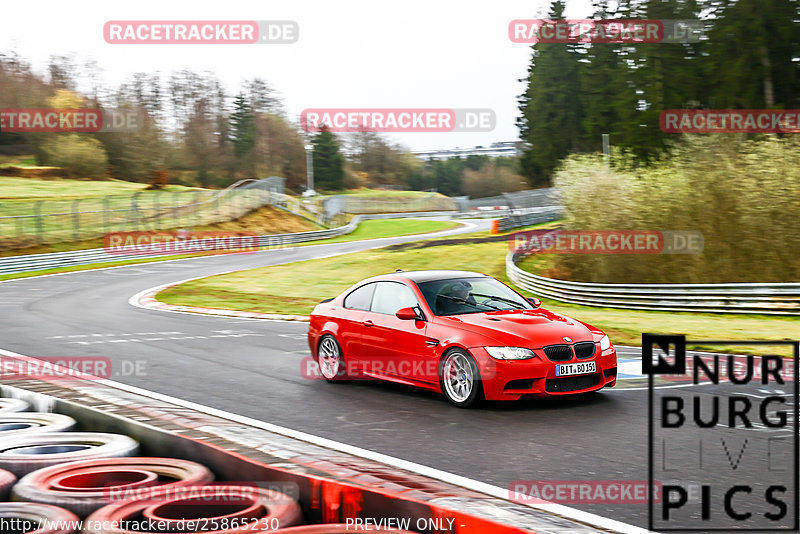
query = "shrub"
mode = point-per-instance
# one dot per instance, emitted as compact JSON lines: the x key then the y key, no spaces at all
{"x":743,"y":195}
{"x":81,"y":157}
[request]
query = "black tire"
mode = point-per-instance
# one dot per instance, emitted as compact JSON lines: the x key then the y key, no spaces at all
{"x":9,"y":405}
{"x":55,"y":520}
{"x":7,"y":480}
{"x":467,"y":399}
{"x":12,"y":424}
{"x":84,"y":487}
{"x":327,"y":346}
{"x":29,"y":451}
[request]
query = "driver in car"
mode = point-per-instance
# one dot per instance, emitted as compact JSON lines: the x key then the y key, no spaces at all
{"x":456,"y":298}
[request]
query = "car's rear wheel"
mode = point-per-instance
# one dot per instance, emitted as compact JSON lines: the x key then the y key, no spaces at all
{"x":331,"y":360}
{"x":460,"y":379}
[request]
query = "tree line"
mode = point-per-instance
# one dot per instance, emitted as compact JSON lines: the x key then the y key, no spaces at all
{"x":204,"y":135}
{"x":748,"y":58}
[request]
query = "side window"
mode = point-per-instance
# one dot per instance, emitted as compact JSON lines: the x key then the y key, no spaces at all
{"x":391,"y":296}
{"x":360,"y":298}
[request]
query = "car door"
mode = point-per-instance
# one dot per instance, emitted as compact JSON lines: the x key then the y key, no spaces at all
{"x":393,"y":347}
{"x":355,"y":308}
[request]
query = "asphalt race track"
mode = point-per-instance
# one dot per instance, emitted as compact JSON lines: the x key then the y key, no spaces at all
{"x":252,"y":368}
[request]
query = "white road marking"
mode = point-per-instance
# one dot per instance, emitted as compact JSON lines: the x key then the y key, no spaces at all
{"x":465,"y":226}
{"x":135,"y":299}
{"x":495,"y":491}
{"x":167,"y":336}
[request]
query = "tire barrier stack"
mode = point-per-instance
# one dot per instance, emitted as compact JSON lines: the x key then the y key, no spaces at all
{"x":7,"y":479}
{"x":19,"y":422}
{"x":30,"y":451}
{"x":93,"y":483}
{"x":218,"y":509}
{"x":85,"y":486}
{"x":163,"y":448}
{"x":22,"y":516}
{"x":13,"y":405}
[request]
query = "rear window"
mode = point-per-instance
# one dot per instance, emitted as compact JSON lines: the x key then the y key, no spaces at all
{"x":361,"y":298}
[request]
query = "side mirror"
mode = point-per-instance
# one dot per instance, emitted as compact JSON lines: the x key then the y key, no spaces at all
{"x":536,"y":302}
{"x":407,"y":314}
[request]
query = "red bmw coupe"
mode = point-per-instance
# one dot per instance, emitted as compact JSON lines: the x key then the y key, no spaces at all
{"x":463,"y":334}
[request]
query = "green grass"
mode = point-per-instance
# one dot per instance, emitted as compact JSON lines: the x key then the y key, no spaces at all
{"x":366,"y":230}
{"x":385,"y":193}
{"x":296,"y":288}
{"x":378,"y":228}
{"x":104,"y":205}
{"x":76,"y":268}
{"x":39,"y":189}
{"x":24,"y":162}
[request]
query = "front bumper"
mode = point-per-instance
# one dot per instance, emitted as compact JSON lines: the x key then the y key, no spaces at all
{"x":536,"y":377}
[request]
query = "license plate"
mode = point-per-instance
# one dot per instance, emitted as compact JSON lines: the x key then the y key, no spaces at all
{"x":566,"y":369}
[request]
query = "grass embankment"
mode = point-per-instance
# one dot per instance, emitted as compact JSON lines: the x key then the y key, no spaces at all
{"x":12,"y":187}
{"x":366,"y":230}
{"x":296,"y":288}
{"x":387,"y":193}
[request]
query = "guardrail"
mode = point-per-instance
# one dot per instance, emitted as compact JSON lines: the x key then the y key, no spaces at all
{"x":55,"y":260}
{"x":529,"y":216}
{"x":770,"y":299}
{"x":532,"y":198}
{"x":356,"y":205}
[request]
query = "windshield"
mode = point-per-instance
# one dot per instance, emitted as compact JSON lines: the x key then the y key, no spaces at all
{"x":457,"y":296}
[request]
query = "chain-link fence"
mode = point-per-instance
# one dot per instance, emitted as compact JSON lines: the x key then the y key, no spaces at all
{"x":357,"y":205}
{"x":25,"y":222}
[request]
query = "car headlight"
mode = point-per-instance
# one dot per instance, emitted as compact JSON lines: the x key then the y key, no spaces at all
{"x":510,"y":353}
{"x":605,"y":343}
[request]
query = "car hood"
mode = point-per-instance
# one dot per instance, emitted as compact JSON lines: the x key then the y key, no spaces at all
{"x":523,"y":328}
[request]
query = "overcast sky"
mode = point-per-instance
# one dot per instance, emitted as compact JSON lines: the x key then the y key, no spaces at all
{"x":351,"y":53}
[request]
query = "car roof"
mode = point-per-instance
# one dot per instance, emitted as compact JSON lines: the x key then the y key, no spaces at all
{"x":428,"y":276}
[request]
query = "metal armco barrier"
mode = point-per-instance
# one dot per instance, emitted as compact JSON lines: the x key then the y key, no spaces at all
{"x":772,"y":299}
{"x":529,"y":216}
{"x":55,"y":260}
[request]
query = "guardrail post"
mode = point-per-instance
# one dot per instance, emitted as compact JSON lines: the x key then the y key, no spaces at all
{"x":106,"y":210}
{"x":20,"y":226}
{"x":196,"y":208}
{"x":37,"y":211}
{"x":175,"y":215}
{"x":156,"y":210}
{"x":135,"y":209}
{"x":76,"y":219}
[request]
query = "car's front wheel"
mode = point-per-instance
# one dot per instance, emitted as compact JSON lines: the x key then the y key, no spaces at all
{"x":331,"y":361}
{"x":460,"y":379}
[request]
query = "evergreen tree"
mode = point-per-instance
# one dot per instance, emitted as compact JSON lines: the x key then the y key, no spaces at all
{"x":551,"y":115}
{"x":603,"y":86}
{"x":243,"y":127}
{"x":328,"y":161}
{"x":665,"y":76}
{"x":753,"y":54}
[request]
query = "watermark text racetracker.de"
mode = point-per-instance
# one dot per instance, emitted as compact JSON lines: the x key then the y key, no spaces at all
{"x":618,"y":31}
{"x":243,"y":491}
{"x":398,"y":119}
{"x":201,"y":32}
{"x":60,"y":120}
{"x":579,"y":491}
{"x":605,"y":242}
{"x":730,"y":120}
{"x":179,"y":242}
{"x":69,"y":367}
